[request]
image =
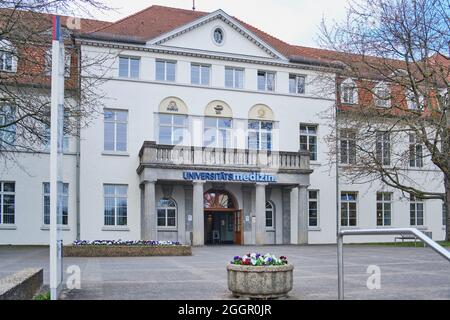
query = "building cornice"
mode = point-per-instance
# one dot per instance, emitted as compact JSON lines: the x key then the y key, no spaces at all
{"x":103,"y":43}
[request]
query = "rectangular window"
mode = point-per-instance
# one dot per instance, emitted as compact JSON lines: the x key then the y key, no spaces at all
{"x":416,"y":211}
{"x":200,"y":74}
{"x":7,"y":126}
{"x":116,"y":204}
{"x":381,"y":97}
{"x":165,"y":70}
{"x":349,"y":209}
{"x":348,"y":94}
{"x":115,"y":130}
{"x":266,"y":81}
{"x":348,"y":146}
{"x":217,"y":132}
{"x":7,"y":202}
{"x":6,"y":61}
{"x":129,"y":67}
{"x":296,"y":84}
{"x":234,"y":78}
{"x":64,"y":194}
{"x":166,"y":214}
{"x":172,"y":129}
{"x":308,"y":139}
{"x":46,"y":143}
{"x":260,"y":135}
{"x":384,"y":208}
{"x":415,"y":152}
{"x":313,"y":208}
{"x":383,"y":148}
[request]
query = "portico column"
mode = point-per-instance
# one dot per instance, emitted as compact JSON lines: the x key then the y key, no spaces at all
{"x":198,"y":238}
{"x":302,"y":215}
{"x":148,"y":221}
{"x":260,"y":213}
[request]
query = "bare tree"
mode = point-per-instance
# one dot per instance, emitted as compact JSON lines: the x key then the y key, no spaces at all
{"x":25,"y":69}
{"x":393,"y":111}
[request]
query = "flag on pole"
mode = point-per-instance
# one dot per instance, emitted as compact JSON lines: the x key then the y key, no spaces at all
{"x":56,"y":33}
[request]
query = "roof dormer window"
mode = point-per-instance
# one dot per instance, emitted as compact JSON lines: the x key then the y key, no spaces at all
{"x":349,"y":92}
{"x":382,"y":96}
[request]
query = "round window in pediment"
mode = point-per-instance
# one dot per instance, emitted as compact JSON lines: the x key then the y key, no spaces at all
{"x":218,"y":36}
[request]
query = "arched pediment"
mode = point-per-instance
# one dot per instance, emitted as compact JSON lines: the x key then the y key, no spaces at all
{"x":261,"y":112}
{"x":218,"y":108}
{"x":173,"y":105}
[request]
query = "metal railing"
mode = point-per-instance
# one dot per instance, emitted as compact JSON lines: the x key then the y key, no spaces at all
{"x":392,"y":231}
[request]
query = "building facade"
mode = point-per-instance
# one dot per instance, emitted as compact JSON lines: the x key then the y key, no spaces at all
{"x":212,"y":133}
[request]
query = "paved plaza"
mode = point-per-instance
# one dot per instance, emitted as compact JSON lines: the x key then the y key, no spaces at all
{"x":406,"y":273}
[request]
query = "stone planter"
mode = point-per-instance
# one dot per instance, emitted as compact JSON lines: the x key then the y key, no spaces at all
{"x":125,"y":251}
{"x":267,"y":282}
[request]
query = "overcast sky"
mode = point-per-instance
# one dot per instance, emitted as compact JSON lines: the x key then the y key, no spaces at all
{"x":294,"y":21}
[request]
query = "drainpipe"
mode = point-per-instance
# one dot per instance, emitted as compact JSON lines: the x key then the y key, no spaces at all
{"x":78,"y":143}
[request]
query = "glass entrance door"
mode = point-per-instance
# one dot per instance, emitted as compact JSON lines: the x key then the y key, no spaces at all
{"x":219,"y":228}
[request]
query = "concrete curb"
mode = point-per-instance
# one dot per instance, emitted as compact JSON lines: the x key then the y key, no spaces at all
{"x":22,"y":285}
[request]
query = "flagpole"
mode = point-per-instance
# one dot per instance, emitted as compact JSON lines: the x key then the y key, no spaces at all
{"x":56,"y":125}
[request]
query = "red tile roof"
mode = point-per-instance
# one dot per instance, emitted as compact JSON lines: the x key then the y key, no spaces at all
{"x":157,"y":20}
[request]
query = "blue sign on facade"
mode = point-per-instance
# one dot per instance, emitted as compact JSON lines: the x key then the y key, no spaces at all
{"x":229,"y":176}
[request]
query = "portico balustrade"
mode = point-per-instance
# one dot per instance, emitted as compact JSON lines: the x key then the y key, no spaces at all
{"x":153,"y":154}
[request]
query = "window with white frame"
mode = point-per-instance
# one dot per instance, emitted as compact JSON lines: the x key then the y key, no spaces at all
{"x":234,"y":78}
{"x":313,"y":208}
{"x":270,"y":215}
{"x":6,"y":61}
{"x":217,"y":132}
{"x":7,"y":126}
{"x":8,"y":58}
{"x":165,"y":70}
{"x":415,"y":152}
{"x":47,"y":137}
{"x":48,"y":63}
{"x":349,"y":209}
{"x":382,"y":96}
{"x":384,"y":208}
{"x":200,"y":74}
{"x":167,"y":213}
{"x":115,"y":130}
{"x":129,"y":67}
{"x":172,"y":128}
{"x":413,"y":102}
{"x":296,"y":84}
{"x":116,"y":204}
{"x":416,"y":211}
{"x":349,"y":92}
{"x":348,"y":146}
{"x":260,"y":135}
{"x":383,"y":148}
{"x":64,"y":194}
{"x":308,"y":139}
{"x":7,"y":202}
{"x":266,"y":81}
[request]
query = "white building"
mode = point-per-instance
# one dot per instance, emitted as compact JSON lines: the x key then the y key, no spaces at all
{"x":199,"y":143}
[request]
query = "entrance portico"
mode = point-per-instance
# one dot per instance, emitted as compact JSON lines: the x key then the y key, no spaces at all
{"x":261,"y":185}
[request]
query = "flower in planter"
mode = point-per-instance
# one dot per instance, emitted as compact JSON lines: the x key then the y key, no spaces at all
{"x":121,"y":242}
{"x":256,"y":259}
